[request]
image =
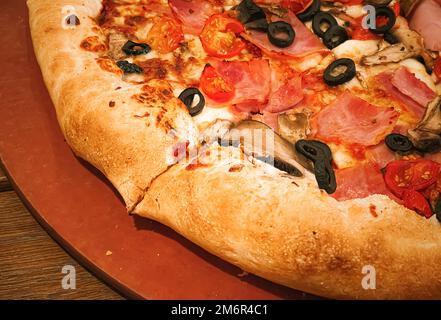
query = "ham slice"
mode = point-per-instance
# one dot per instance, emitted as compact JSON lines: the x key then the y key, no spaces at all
{"x":360,"y":181}
{"x":193,"y":14}
{"x":304,"y":43}
{"x":286,"y":89}
{"x":411,"y":86}
{"x":351,"y":120}
{"x":426,"y":20}
{"x":251,"y":81}
{"x":379,"y":155}
{"x":385,"y":81}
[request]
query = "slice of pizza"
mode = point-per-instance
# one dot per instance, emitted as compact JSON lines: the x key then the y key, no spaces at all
{"x":298,"y":140}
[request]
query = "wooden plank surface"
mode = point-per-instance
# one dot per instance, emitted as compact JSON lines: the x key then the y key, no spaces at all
{"x":4,"y":183}
{"x":31,"y":262}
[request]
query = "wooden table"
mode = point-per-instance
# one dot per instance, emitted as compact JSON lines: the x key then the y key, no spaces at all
{"x":31,"y":262}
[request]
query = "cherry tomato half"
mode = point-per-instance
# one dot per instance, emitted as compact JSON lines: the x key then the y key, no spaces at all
{"x":219,"y":36}
{"x":165,"y":35}
{"x":401,"y":175}
{"x":215,"y":86}
{"x":414,"y":200}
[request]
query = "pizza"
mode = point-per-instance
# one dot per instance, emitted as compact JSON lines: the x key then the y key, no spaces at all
{"x":296,"y":139}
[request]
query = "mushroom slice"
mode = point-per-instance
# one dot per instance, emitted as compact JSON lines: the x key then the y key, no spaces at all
{"x":294,"y":126}
{"x":410,"y":46}
{"x":261,"y":142}
{"x":116,"y":42}
{"x":393,"y":53}
{"x":427,"y":135}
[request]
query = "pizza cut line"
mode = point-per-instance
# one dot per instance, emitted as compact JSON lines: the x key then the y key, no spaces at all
{"x":268,"y":132}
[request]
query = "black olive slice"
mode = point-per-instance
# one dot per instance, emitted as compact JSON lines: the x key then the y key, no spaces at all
{"x":323,"y":19}
{"x":339,"y":72}
{"x":281,"y":34}
{"x":249,"y":11}
{"x":128,"y":67}
{"x":309,"y":13}
{"x":389,"y":14}
{"x":389,"y":37}
{"x":261,"y":25}
{"x":325,"y":176}
{"x":314,"y":150}
{"x":335,"y":36}
{"x":135,"y":49}
{"x":437,"y":209}
{"x":187,"y":97}
{"x":398,"y":142}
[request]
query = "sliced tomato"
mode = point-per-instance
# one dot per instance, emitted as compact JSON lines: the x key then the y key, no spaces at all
{"x":215,"y":86}
{"x":437,"y":68}
{"x":219,"y":36}
{"x":165,"y":35}
{"x":402,"y":175}
{"x":414,"y":200}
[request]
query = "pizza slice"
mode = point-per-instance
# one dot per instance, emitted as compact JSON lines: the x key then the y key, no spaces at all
{"x":297,"y":139}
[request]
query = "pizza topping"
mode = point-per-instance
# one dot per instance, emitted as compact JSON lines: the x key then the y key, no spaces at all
{"x":383,"y":14}
{"x":360,"y":181}
{"x":128,"y":67}
{"x":335,"y":36}
{"x":383,"y":82}
{"x":414,"y":200}
{"x":166,"y":35}
{"x":322,"y":22}
{"x":281,"y":34}
{"x":259,"y":25}
{"x":248,"y":11}
{"x":187,"y":97}
{"x":250,"y":80}
{"x":352,"y":120}
{"x":325,"y":176}
{"x":427,"y":135}
{"x":398,"y":142}
{"x":131,"y":48}
{"x":314,"y":150}
{"x":319,"y":153}
{"x":426,"y":21}
{"x":305,"y":42}
{"x":215,"y":86}
{"x":340,"y":71}
{"x":261,"y":142}
{"x":193,"y":14}
{"x":401,"y":175}
{"x":310,"y":12}
{"x":286,"y":89}
{"x":219,"y":36}
{"x":389,"y":37}
{"x":408,"y":84}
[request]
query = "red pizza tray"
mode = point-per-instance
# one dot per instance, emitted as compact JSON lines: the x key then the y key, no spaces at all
{"x":80,"y":209}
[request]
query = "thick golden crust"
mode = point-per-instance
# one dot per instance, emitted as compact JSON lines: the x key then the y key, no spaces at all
{"x":279,"y":227}
{"x":286,"y":230}
{"x":126,"y":131}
